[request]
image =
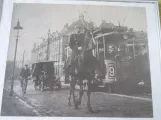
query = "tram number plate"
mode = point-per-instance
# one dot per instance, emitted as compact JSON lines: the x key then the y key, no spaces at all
{"x":111,"y":72}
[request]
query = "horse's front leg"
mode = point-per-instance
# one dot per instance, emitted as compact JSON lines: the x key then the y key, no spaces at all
{"x":73,"y":93}
{"x":71,"y":90}
{"x":80,"y":93}
{"x":74,"y":100}
{"x":70,"y":94}
{"x":89,"y":96}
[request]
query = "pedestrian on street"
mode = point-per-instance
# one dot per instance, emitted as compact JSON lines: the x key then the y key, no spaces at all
{"x":24,"y":75}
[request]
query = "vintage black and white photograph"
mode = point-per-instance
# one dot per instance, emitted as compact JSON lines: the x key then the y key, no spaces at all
{"x":77,"y":60}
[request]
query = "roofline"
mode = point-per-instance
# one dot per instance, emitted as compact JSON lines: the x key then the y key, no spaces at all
{"x":43,"y":62}
{"x":106,"y":34}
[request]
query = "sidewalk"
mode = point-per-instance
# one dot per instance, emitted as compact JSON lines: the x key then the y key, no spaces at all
{"x":12,"y":106}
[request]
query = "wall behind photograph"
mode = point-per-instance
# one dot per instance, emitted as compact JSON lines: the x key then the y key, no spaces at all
{"x":160,"y":8}
{"x":1,"y":6}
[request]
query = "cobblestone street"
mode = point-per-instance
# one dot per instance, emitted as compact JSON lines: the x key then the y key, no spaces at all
{"x":54,"y":103}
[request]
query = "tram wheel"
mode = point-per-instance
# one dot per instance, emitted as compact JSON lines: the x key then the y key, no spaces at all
{"x":52,"y":87}
{"x":59,"y":86}
{"x":108,"y":88}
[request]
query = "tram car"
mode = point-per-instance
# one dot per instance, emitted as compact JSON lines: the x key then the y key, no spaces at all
{"x":119,"y":69}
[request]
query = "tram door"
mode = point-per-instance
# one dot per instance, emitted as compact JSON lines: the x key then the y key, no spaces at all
{"x":110,"y":62}
{"x":106,"y":56}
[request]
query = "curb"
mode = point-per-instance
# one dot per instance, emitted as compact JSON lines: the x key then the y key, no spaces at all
{"x":126,"y":96}
{"x":133,"y":97}
{"x":35,"y":110}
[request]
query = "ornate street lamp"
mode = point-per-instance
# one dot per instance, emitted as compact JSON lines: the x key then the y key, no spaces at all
{"x":48,"y":43}
{"x":17,"y":28}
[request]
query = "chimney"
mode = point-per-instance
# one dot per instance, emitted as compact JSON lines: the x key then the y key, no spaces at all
{"x":56,"y":34}
{"x":66,"y":26}
{"x":81,"y":17}
{"x":131,"y":30}
{"x":34,"y":45}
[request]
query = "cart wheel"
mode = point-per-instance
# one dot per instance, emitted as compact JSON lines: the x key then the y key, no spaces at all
{"x":35,"y":86}
{"x":59,"y":86}
{"x":110,"y":89}
{"x":107,"y":88}
{"x":42,"y":86}
{"x":39,"y":86}
{"x":52,"y":87}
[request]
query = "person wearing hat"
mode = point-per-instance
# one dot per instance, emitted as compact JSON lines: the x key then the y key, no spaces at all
{"x":24,"y":75}
{"x":76,"y":42}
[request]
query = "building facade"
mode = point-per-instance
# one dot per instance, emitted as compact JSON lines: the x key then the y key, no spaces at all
{"x":50,"y":49}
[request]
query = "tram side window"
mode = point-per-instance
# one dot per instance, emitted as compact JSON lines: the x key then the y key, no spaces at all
{"x":137,"y":49}
{"x":131,"y":49}
{"x":110,"y":52}
{"x":122,"y":50}
{"x":100,"y":47}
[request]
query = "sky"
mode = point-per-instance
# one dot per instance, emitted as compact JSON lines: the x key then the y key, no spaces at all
{"x":37,"y":19}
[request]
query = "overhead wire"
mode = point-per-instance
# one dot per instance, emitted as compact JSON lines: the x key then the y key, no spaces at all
{"x":85,"y":11}
{"x":126,"y":15}
{"x":82,"y":8}
{"x":101,"y":15}
{"x":117,"y":18}
{"x":91,"y":19}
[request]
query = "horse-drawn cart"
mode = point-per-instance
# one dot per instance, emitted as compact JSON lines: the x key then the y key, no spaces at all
{"x":44,"y":75}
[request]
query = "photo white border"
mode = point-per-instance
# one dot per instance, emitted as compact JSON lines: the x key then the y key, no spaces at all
{"x":153,"y":28}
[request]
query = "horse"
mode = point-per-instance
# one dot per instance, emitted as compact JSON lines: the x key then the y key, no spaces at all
{"x":84,"y":69}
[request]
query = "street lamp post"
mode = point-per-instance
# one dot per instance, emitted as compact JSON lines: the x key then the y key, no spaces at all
{"x":48,"y":43}
{"x":23,"y":57}
{"x":17,"y":28}
{"x":59,"y":58}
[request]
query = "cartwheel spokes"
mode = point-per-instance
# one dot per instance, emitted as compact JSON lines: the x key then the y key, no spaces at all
{"x":69,"y":103}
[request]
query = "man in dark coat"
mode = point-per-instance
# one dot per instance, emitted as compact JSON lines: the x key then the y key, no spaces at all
{"x":76,"y":43}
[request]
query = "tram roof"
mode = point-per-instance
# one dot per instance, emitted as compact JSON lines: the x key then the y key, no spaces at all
{"x":41,"y":62}
{"x":113,"y":34}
